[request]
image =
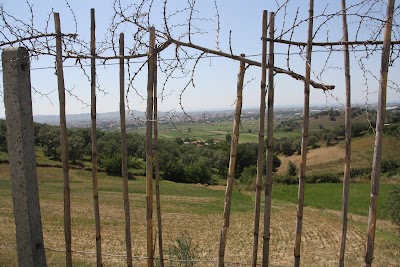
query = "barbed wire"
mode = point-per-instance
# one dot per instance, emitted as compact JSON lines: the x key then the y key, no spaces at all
{"x":208,"y":56}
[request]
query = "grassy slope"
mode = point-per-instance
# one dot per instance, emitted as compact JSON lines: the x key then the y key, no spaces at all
{"x":329,"y":196}
{"x":195,"y":208}
{"x":331,"y":159}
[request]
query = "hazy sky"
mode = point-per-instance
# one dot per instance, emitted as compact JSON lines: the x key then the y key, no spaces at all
{"x":215,"y":78}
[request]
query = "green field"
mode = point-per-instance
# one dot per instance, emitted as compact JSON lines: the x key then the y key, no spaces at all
{"x":329,"y":196}
{"x":248,"y":128}
{"x":216,"y":131}
{"x":198,"y":210}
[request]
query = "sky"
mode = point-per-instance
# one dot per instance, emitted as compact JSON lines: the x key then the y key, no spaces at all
{"x":215,"y":78}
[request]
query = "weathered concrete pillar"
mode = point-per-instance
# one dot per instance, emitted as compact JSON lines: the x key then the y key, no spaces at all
{"x":21,"y":154}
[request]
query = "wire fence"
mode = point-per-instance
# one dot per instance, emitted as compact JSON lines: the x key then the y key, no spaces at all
{"x":110,"y":255}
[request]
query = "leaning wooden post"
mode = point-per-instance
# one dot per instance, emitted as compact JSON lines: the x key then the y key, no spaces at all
{"x":270,"y":143}
{"x":380,"y":119}
{"x":232,"y":163}
{"x":94,"y":136}
{"x":21,"y":154}
{"x":124,"y":153}
{"x":346,"y":176}
{"x":260,"y":155}
{"x":304,"y":140}
{"x":149,"y":148}
{"x":156,"y":167}
{"x":64,"y":143}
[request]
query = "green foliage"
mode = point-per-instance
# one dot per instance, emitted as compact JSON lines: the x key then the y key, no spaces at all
{"x":276,"y":162}
{"x":246,"y":156}
{"x":329,"y":138}
{"x":326,"y":177}
{"x":228,"y":138}
{"x":112,"y":165}
{"x":179,"y":141}
{"x":49,"y":138}
{"x":248,"y":175}
{"x":291,"y":169}
{"x":136,"y":163}
{"x":359,"y":129}
{"x":394,"y":116}
{"x":196,"y":172}
{"x":390,"y":166}
{"x":288,"y":125}
{"x":360,"y":173}
{"x":175,"y":171}
{"x":183,"y":250}
{"x":314,"y":178}
{"x":285,"y":179}
{"x":393,"y":130}
{"x":76,"y":146}
{"x":313,"y":141}
{"x":394,"y":207}
{"x":286,"y":147}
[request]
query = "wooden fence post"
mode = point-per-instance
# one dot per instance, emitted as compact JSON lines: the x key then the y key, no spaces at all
{"x":149,"y":150}
{"x":270,"y":143}
{"x":346,"y":175}
{"x":260,"y":155}
{"x":21,"y":155}
{"x":304,"y":140}
{"x":64,"y":143}
{"x":232,"y":164}
{"x":156,"y":167}
{"x":94,"y":136}
{"x":124,"y":152}
{"x":380,"y":120}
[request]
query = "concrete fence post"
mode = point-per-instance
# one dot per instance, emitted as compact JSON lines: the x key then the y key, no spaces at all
{"x":21,"y":153}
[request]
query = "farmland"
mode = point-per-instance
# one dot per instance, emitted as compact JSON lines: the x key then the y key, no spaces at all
{"x":197,"y":209}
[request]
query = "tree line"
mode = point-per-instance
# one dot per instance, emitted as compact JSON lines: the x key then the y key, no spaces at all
{"x":178,"y":160}
{"x":182,"y":161}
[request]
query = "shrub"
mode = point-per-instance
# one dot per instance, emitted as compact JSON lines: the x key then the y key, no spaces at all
{"x":112,"y":165}
{"x":326,"y":177}
{"x":285,"y":179}
{"x":291,"y":169}
{"x":394,"y":207}
{"x":389,"y":166}
{"x":248,"y":175}
{"x":175,"y":171}
{"x":183,"y":250}
{"x":360,"y":172}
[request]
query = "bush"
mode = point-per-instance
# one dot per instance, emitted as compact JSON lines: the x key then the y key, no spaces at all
{"x":360,"y":172}
{"x":285,"y":179}
{"x":326,"y":177}
{"x":248,"y":175}
{"x":394,"y":208}
{"x":291,"y":169}
{"x":197,"y":172}
{"x":175,"y":171}
{"x":112,"y":165}
{"x":390,"y":166}
{"x":182,"y":250}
